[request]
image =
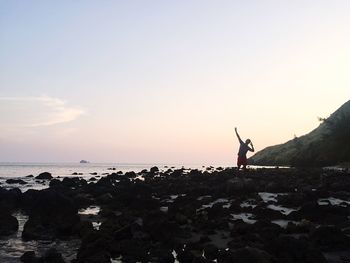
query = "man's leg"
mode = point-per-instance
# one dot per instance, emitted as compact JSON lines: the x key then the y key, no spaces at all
{"x":238,"y":163}
{"x":244,"y":163}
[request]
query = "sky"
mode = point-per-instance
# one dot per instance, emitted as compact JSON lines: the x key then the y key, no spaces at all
{"x":166,"y":81}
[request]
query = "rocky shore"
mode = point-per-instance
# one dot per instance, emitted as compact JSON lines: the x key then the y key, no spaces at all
{"x":184,"y":215}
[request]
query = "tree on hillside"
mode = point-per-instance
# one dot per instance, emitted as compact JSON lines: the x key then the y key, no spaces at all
{"x":339,"y":134}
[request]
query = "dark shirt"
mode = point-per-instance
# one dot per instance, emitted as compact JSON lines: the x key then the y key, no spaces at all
{"x":243,"y":149}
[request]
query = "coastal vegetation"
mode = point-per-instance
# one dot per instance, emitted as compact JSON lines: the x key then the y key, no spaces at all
{"x":327,"y":145}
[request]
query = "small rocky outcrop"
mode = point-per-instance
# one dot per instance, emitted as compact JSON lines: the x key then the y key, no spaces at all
{"x":44,"y":176}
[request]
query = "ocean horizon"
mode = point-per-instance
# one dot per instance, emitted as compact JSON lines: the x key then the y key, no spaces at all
{"x":21,"y":169}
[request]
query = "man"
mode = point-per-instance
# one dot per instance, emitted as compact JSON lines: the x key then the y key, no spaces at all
{"x":243,"y":149}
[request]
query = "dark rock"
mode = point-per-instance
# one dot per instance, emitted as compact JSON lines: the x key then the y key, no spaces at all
{"x":292,"y":199}
{"x":10,"y":199}
{"x":330,"y":238}
{"x":53,"y":256}
{"x":251,"y":255}
{"x":130,"y":174}
{"x":211,"y":252}
{"x":44,"y":176}
{"x":85,"y":228}
{"x":187,"y":256}
{"x":161,"y":255}
{"x":266,"y":213}
{"x":29,"y":257}
{"x":50,"y":256}
{"x":54,"y":183}
{"x":51,"y":214}
{"x":239,"y":185}
{"x":30,"y":176}
{"x":8,"y":224}
{"x":160,"y":228}
{"x":292,"y":250}
{"x":133,"y":249}
{"x":105,"y":198}
{"x":15,"y":181}
{"x":73,"y":182}
{"x":35,"y":229}
{"x":154,"y":170}
{"x":95,"y":249}
{"x":217,"y":211}
{"x":225,"y":256}
{"x":120,"y":229}
{"x":323,"y":214}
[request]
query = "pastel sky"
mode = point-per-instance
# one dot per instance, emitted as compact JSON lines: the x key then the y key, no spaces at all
{"x":166,"y":81}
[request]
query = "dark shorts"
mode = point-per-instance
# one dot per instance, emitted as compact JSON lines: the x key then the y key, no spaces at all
{"x":241,"y":160}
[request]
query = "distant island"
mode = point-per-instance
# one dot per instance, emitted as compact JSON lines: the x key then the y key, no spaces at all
{"x":327,"y":145}
{"x":84,"y":161}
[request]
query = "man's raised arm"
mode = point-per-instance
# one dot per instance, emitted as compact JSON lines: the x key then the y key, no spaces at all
{"x":239,"y":138}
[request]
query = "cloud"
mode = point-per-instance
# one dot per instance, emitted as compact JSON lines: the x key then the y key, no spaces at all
{"x":17,"y":112}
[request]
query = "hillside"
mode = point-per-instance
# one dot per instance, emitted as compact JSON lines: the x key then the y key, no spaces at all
{"x":328,"y":144}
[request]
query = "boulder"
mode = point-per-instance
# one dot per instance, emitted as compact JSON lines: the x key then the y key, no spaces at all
{"x":52,"y":256}
{"x":8,"y":224}
{"x":154,"y":170}
{"x":51,"y":214}
{"x":55,"y":182}
{"x":105,"y":198}
{"x":330,"y":238}
{"x":161,"y":255}
{"x":237,"y":184}
{"x":10,"y":199}
{"x":211,"y":252}
{"x":94,"y":249}
{"x":44,"y":176}
{"x":34,"y":229}
{"x":15,"y":181}
{"x":293,"y":250}
{"x":251,"y":255}
{"x":133,"y":249}
{"x":29,"y":257}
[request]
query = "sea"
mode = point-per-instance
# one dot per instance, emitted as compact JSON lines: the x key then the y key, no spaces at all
{"x":28,"y":171}
{"x":67,"y":169}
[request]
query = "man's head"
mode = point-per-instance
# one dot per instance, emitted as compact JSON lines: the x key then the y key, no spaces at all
{"x":247,"y":141}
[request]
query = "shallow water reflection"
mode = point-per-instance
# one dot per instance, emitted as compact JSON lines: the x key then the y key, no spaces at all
{"x":13,"y":247}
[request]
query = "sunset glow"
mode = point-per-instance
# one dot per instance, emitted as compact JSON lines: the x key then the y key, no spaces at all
{"x":166,"y":82}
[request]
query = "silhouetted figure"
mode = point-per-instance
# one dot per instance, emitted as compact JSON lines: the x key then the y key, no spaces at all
{"x":243,"y":149}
